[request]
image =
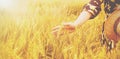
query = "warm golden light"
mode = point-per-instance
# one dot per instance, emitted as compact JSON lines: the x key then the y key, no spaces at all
{"x":26,"y":26}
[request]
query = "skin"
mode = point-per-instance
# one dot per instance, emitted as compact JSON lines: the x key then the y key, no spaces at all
{"x":70,"y":26}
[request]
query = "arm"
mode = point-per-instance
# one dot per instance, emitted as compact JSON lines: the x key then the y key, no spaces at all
{"x":83,"y":17}
{"x":90,"y":11}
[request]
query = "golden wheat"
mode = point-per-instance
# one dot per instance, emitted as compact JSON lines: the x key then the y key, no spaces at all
{"x":28,"y":35}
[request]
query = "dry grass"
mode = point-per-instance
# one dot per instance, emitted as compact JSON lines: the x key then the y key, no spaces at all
{"x":28,"y":35}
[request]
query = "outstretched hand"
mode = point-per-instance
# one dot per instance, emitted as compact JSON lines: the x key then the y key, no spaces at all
{"x":59,"y":30}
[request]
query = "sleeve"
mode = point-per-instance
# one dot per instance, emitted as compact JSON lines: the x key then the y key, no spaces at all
{"x":93,"y":7}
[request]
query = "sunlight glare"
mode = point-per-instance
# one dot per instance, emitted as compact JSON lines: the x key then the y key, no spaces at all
{"x":6,"y":4}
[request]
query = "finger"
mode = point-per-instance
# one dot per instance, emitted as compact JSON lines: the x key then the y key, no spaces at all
{"x":55,"y":28}
{"x":55,"y":32}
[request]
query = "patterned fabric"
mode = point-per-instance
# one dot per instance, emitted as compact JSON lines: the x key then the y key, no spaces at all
{"x":94,"y":6}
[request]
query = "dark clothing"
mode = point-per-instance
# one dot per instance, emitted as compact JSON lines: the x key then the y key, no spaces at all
{"x":94,"y":6}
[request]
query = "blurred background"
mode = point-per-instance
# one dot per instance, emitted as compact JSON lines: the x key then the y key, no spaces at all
{"x":25,"y":31}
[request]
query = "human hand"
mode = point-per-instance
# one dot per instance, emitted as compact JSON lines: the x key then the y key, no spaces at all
{"x":59,"y":30}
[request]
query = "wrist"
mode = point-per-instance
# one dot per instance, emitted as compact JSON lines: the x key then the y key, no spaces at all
{"x":75,"y":24}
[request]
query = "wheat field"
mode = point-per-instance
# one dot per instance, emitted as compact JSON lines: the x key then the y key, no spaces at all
{"x":27,"y":34}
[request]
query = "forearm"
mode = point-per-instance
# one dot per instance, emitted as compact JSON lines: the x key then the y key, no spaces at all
{"x":90,"y":11}
{"x":82,"y":18}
